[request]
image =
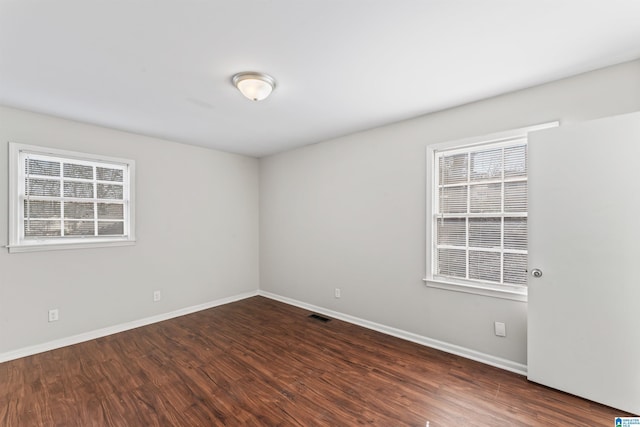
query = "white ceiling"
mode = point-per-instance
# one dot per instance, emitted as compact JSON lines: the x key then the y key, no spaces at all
{"x":163,"y":67}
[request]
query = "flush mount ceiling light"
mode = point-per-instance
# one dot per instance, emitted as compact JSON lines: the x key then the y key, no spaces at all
{"x":255,"y":86}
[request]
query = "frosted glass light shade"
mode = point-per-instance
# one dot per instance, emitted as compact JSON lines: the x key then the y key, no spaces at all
{"x":254,"y":86}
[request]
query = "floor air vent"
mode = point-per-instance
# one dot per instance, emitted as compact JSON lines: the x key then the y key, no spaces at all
{"x":320,"y":318}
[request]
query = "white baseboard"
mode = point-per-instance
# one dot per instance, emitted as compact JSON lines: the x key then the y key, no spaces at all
{"x":488,"y":359}
{"x":99,"y":333}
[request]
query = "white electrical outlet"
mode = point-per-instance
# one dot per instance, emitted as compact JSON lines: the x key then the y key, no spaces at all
{"x":500,"y":329}
{"x":336,"y":292}
{"x":157,"y":296}
{"x":54,"y":315}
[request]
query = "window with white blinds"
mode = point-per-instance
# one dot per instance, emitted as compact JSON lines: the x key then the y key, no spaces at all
{"x":480,"y":213}
{"x":477,"y":214}
{"x":62,"y":199}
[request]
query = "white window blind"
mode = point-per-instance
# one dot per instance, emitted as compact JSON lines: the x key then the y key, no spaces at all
{"x":480,"y":213}
{"x":61,"y":198}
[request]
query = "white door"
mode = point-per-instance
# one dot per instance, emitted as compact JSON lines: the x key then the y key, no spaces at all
{"x":584,"y":237}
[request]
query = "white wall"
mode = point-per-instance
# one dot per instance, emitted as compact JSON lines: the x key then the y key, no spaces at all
{"x":350,"y":213}
{"x":196,"y":225}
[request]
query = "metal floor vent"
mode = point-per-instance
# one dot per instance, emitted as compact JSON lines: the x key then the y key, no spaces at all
{"x":320,"y":318}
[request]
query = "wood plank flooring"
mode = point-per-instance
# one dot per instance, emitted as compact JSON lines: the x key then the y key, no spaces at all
{"x":258,"y":362}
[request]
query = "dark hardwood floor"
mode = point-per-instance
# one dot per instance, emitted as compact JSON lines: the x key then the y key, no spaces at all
{"x":258,"y":362}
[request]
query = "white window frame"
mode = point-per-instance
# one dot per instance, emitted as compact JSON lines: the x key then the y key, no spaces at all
{"x":17,"y":242}
{"x":517,"y":293}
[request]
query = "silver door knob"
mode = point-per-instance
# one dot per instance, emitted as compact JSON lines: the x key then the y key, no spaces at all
{"x":536,"y":272}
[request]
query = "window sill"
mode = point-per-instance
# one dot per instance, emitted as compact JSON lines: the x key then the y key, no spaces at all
{"x":37,"y":247}
{"x":477,"y":289}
